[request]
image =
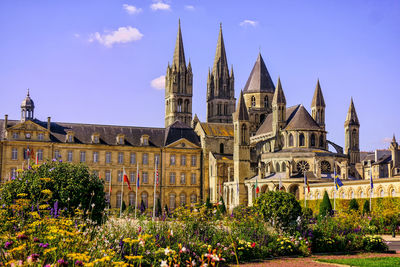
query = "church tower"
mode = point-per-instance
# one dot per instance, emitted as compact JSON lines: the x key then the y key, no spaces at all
{"x":278,"y":108}
{"x":241,"y":148}
{"x":258,"y":93}
{"x":352,"y":134}
{"x":178,"y":86}
{"x":27,"y":108}
{"x":318,"y":106}
{"x":220,"y":87}
{"x":394,"y":149}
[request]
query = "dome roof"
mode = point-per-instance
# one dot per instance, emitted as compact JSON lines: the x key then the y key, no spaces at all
{"x":27,"y":102}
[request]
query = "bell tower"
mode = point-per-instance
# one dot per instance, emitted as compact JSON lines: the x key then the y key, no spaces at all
{"x":352,"y":135}
{"x":27,"y":108}
{"x":318,"y":106}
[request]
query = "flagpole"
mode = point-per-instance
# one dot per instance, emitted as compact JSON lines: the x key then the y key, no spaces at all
{"x":371,"y":187}
{"x":137,"y":177}
{"x":334,"y":187}
{"x":305,"y":194}
{"x":122,"y":195}
{"x":155,"y":184}
{"x":109,"y":191}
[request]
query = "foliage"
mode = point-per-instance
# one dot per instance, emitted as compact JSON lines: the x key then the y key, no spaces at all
{"x":158,"y":208}
{"x":353,"y":205}
{"x":366,"y":262}
{"x":123,"y":207}
{"x":366,"y":207}
{"x":325,"y":209}
{"x":61,"y":186}
{"x":280,"y":209}
{"x":222,"y":208}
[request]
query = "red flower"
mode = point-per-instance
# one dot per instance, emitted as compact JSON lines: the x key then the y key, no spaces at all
{"x":253,"y":245}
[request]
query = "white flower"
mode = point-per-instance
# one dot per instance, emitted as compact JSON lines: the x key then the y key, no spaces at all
{"x":167,"y":251}
{"x":164,"y":264}
{"x":183,"y":249}
{"x":93,"y":205}
{"x":193,"y":263}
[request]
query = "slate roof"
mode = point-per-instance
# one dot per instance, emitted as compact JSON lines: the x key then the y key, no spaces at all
{"x":259,"y":79}
{"x":279,"y":96}
{"x":302,"y":120}
{"x":217,"y":129}
{"x":352,"y":118}
{"x":266,"y":127}
{"x":241,"y":111}
{"x":178,"y":130}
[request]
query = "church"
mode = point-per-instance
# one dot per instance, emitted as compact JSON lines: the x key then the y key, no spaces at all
{"x":245,"y":147}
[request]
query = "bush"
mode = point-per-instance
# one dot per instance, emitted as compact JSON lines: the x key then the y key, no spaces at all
{"x":366,"y":207}
{"x":62,"y":186}
{"x":353,"y":205}
{"x":325,"y":209}
{"x":280,"y":209}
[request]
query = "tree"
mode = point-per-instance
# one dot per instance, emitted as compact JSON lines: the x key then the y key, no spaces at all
{"x":208,"y":203}
{"x":142,"y":206}
{"x":158,"y":208}
{"x":63,"y":186}
{"x":222,"y":207}
{"x":279,"y":208}
{"x":353,"y":205}
{"x":325,"y":208}
{"x":123,"y":208}
{"x":366,"y":207}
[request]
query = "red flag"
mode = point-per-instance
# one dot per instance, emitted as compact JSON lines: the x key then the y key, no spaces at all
{"x":257,"y":190}
{"x":126,"y":180}
{"x":157,"y":181}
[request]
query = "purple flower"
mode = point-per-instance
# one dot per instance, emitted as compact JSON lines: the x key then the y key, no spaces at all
{"x":44,"y":245}
{"x":8,"y":244}
{"x":62,"y":262}
{"x":78,"y":263}
{"x":35,"y":239}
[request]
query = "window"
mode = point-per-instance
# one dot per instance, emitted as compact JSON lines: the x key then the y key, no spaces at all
{"x":172,"y":178}
{"x":108,"y":200}
{"x":193,"y":178}
{"x":193,"y":199}
{"x":277,"y":167}
{"x":361,"y":194}
{"x":172,"y":160}
{"x":253,"y":101}
{"x":133,"y":158}
{"x":321,"y":141}
{"x":266,"y":101}
{"x":40,"y":137}
{"x":108,"y":176}
{"x":132,"y":176}
{"x":145,"y":177}
{"x":40,"y":154}
{"x":290,"y":139}
{"x":179,"y":105}
{"x":382,"y":193}
{"x":172,"y":201}
{"x":301,"y":140}
{"x":95,"y":157}
{"x":13,"y":173}
{"x":352,"y":194}
{"x":226,"y":109}
{"x":131,"y":199}
{"x":108,"y":157}
{"x":57,"y":154}
{"x":120,"y":139}
{"x":119,"y":176}
{"x":120,"y":157}
{"x":343,"y":195}
{"x":182,"y":199}
{"x":183,"y":160}
{"x":283,"y":167}
{"x":70,"y":138}
{"x":145,"y":158}
{"x":83,"y":156}
{"x":312,"y":141}
{"x":183,"y":178}
{"x":15,"y":135}
{"x":14,"y":154}
{"x":244,"y":129}
{"x":194,"y":161}
{"x":145,"y":199}
{"x":95,"y":139}
{"x":119,"y":199}
{"x":69,"y":156}
{"x":221,"y":148}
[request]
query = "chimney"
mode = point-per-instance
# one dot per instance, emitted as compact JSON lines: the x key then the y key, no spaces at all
{"x":48,"y":124}
{"x":5,"y":121}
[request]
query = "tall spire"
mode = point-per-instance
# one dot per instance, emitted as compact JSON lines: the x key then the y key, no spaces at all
{"x":259,"y":79}
{"x":279,"y":96}
{"x":179,"y":53}
{"x":318,"y":99}
{"x":241,"y":113}
{"x":220,"y":54}
{"x":351,"y":118}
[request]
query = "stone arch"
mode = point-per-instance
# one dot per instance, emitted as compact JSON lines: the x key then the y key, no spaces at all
{"x":295,"y":190}
{"x":317,"y":194}
{"x":291,"y":143}
{"x":302,"y":139}
{"x":312,"y":140}
{"x":283,"y":166}
{"x":277,"y":167}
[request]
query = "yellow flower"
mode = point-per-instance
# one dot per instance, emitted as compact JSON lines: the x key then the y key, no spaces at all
{"x":133,"y":258}
{"x":22,"y":195}
{"x":46,"y":179}
{"x":47,"y":192}
{"x":49,"y":250}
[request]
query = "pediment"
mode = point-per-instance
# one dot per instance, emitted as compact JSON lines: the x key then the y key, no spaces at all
{"x":183,"y":143}
{"x":27,"y":126}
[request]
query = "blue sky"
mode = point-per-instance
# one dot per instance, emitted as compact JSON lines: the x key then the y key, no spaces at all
{"x":94,"y":61}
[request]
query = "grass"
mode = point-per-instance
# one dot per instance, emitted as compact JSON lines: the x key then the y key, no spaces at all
{"x":370,"y":262}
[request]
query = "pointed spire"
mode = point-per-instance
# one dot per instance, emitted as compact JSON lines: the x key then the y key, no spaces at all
{"x":28,"y":93}
{"x":318,"y":99}
{"x":279,"y":96}
{"x":394,"y":139}
{"x":241,"y":113}
{"x":351,"y":118}
{"x":220,"y":54}
{"x":259,"y":79}
{"x":179,"y":53}
{"x":232,"y":71}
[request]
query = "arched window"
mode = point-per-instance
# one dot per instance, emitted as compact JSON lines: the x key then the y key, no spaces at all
{"x":290,"y":139}
{"x":361,"y":194}
{"x":219,"y":106}
{"x":221,"y":148}
{"x":265,"y":101}
{"x":393,"y":193}
{"x":352,"y":194}
{"x":244,"y":130}
{"x":179,"y":105}
{"x":145,"y":199}
{"x":343,"y":195}
{"x":131,"y":199}
{"x":283,"y":167}
{"x":321,"y":141}
{"x":226,"y":108}
{"x":172,"y":201}
{"x":354,"y":138}
{"x":277,"y":168}
{"x":262,"y":117}
{"x":301,"y":140}
{"x":382,"y":193}
{"x":211,"y":109}
{"x":193,"y":199}
{"x":182,"y":199}
{"x":253,"y":101}
{"x":312,"y":140}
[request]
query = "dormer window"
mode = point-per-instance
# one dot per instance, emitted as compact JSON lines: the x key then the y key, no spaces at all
{"x":15,"y":135}
{"x":120,"y":139}
{"x":144,"y":140}
{"x":70,"y":137}
{"x":95,"y":138}
{"x":40,"y":136}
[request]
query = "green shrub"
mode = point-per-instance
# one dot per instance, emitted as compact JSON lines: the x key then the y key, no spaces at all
{"x":325,"y":209}
{"x":366,"y":207}
{"x":353,"y":205}
{"x":280,"y":209}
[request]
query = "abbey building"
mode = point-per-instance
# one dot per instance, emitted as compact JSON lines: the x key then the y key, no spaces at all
{"x":245,"y":147}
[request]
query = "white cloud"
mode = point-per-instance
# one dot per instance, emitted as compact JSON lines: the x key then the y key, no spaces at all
{"x":159,"y":5}
{"x":131,"y":10}
{"x":189,"y":7}
{"x":248,"y":22}
{"x":158,"y":83}
{"x":387,"y":140}
{"x":122,"y":35}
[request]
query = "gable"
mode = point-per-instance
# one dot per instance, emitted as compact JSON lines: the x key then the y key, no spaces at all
{"x":27,"y":126}
{"x":183,"y":143}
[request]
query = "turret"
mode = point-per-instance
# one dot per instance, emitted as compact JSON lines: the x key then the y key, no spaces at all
{"x":318,"y":106}
{"x":352,"y":135}
{"x":278,"y":108}
{"x":27,"y":108}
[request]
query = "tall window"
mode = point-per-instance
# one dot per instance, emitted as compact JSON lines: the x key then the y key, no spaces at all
{"x":95,"y":157}
{"x":69,"y":156}
{"x":172,"y":160}
{"x":183,"y":199}
{"x":193,"y":199}
{"x":145,"y":199}
{"x":14,"y":154}
{"x":226,"y":108}
{"x":108,"y":157}
{"x":290,"y":139}
{"x":120,"y":157}
{"x":193,"y":178}
{"x":108,"y":176}
{"x":179,"y":105}
{"x":131,"y":199}
{"x":157,"y":159}
{"x":145,"y":177}
{"x":70,"y":138}
{"x":183,"y":160}
{"x":15,"y":135}
{"x":253,"y":101}
{"x":13,"y":172}
{"x":40,"y":137}
{"x":183,"y":178}
{"x":266,"y":101}
{"x":321,"y":141}
{"x":133,"y":176}
{"x":312,"y":140}
{"x":57,"y":154}
{"x":40,"y":154}
{"x":301,"y":140}
{"x":244,"y":129}
{"x":133,"y":158}
{"x":277,"y":167}
{"x":221,"y":148}
{"x":83,"y":156}
{"x":119,"y":176}
{"x":194,"y":161}
{"x":145,"y":158}
{"x":119,"y":199}
{"x":172,"y":201}
{"x":172,"y":178}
